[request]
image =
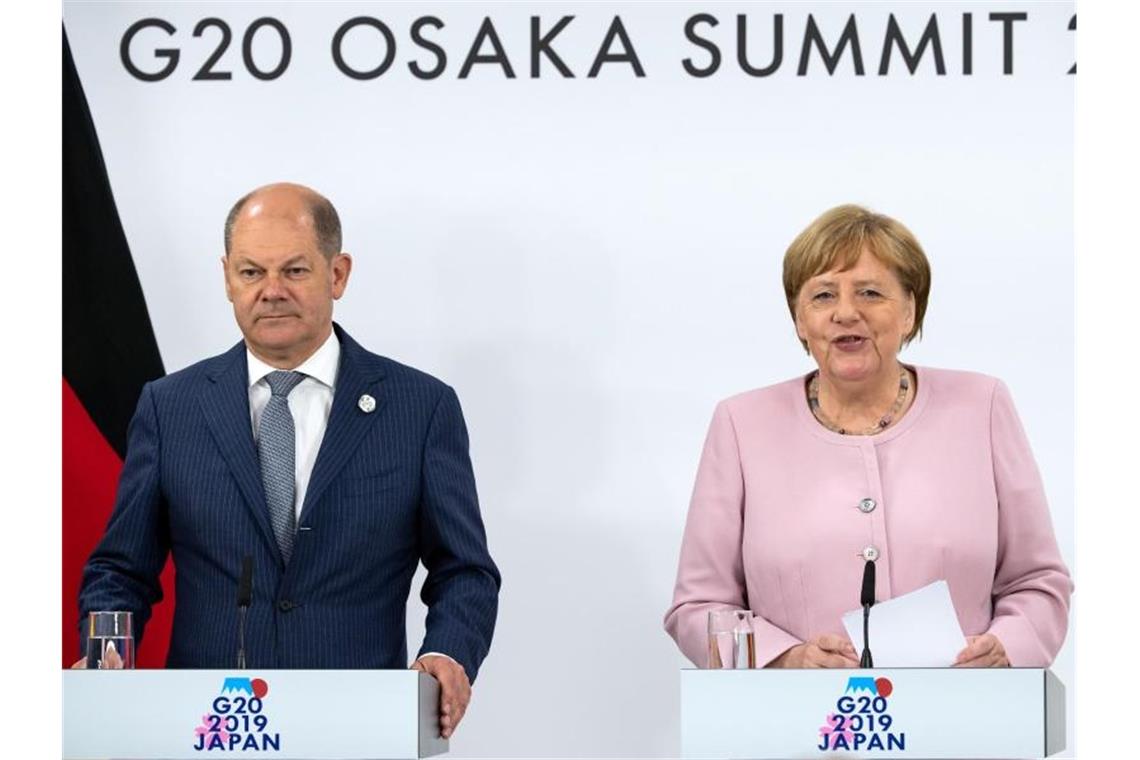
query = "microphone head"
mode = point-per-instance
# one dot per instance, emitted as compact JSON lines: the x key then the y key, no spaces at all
{"x":245,"y":584}
{"x":867,"y":596}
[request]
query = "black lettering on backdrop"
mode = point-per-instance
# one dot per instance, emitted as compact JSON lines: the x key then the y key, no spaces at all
{"x":777,"y":46}
{"x":967,"y":44}
{"x":895,"y":38}
{"x":389,"y":47}
{"x":616,"y":47}
{"x":1073,"y":28}
{"x":1007,"y":20}
{"x":701,"y":42}
{"x":812,"y":36}
{"x":741,"y":46}
{"x":440,"y":55}
{"x":616,"y":30}
{"x":487,"y":31}
{"x":207,"y":73}
{"x":247,"y":49}
{"x":540,"y":45}
{"x":170,"y":54}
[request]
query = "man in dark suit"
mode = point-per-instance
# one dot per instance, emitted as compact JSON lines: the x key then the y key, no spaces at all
{"x":335,"y":470}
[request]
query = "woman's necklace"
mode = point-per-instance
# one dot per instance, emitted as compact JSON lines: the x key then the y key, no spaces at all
{"x":880,"y":426}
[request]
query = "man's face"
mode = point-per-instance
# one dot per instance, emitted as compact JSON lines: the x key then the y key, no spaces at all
{"x":280,"y":284}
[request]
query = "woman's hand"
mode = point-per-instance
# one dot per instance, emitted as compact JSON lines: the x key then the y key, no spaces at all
{"x":824,"y":651}
{"x":983,"y":651}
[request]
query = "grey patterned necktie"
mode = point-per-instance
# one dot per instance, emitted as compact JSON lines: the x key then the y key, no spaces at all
{"x":276,"y":441}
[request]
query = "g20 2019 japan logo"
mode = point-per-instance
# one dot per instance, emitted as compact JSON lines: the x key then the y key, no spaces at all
{"x":237,"y":721}
{"x":861,"y":721}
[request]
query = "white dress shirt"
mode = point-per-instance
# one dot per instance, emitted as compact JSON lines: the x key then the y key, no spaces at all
{"x":309,"y":403}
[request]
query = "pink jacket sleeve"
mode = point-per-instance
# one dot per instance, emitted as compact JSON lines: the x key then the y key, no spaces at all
{"x":711,"y":572}
{"x":1031,"y":585}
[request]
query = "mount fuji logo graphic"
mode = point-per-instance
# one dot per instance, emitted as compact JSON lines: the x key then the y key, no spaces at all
{"x":857,"y":685}
{"x":244,"y":685}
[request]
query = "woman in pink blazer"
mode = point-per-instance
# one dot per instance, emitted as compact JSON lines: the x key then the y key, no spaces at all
{"x":925,"y":472}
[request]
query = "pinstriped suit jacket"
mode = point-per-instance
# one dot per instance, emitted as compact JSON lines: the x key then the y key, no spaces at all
{"x":389,"y":489}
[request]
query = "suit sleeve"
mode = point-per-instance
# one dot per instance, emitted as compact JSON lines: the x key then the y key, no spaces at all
{"x":462,"y":585}
{"x":122,"y":572}
{"x":711,"y":570}
{"x":1031,"y":585}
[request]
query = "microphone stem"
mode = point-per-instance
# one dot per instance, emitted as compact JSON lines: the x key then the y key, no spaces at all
{"x":241,"y":637}
{"x":866,"y":661}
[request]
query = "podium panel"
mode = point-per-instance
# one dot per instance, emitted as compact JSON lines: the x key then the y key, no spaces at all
{"x":888,"y":712}
{"x":311,"y":714}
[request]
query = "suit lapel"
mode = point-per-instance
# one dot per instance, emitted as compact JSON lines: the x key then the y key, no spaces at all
{"x":359,"y":374}
{"x":225,"y":404}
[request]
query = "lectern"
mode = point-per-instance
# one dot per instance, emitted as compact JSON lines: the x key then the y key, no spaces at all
{"x":889,"y":712}
{"x":311,"y":714}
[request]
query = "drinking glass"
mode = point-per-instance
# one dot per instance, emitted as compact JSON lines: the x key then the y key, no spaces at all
{"x":731,"y":641}
{"x":110,"y":641}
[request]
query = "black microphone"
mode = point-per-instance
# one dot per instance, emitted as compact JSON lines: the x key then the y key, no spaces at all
{"x":244,"y":598}
{"x":867,"y":599}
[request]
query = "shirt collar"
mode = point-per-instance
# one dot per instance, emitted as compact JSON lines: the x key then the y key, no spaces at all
{"x":321,"y":366}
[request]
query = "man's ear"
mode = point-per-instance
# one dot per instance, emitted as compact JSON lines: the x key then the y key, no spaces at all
{"x":226,"y":277}
{"x":341,"y":265}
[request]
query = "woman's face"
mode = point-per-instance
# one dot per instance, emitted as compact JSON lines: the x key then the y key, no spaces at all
{"x":855,"y":321}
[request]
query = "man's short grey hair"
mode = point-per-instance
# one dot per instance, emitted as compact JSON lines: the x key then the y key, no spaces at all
{"x":326,"y":222}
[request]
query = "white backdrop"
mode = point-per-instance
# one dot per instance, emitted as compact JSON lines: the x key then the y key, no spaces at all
{"x":593,"y":262}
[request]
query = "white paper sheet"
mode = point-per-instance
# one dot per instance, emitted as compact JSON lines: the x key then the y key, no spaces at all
{"x":915,"y":630}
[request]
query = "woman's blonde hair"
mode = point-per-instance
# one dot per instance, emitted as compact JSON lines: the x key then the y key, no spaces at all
{"x":837,"y":238}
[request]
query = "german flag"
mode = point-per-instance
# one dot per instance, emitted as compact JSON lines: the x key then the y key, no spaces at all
{"x":109,"y":352}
